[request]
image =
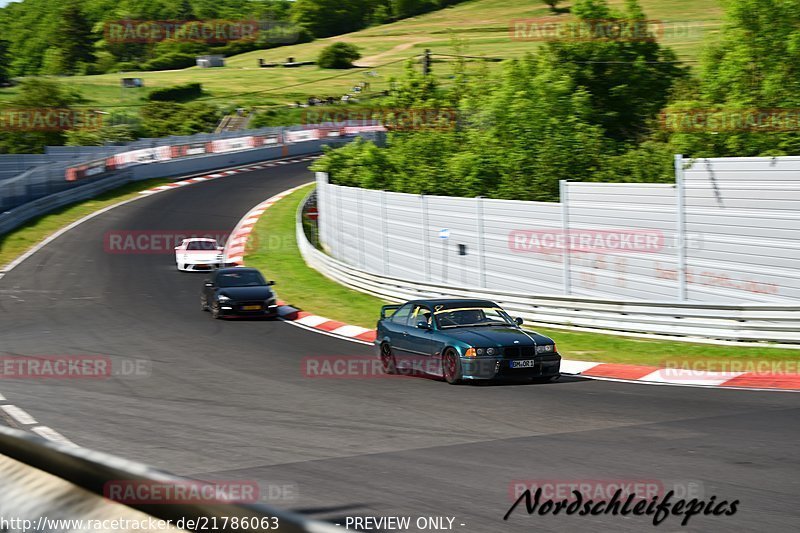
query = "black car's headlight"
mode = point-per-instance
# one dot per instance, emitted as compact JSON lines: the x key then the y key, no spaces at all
{"x":222,"y":298}
{"x":546,"y":348}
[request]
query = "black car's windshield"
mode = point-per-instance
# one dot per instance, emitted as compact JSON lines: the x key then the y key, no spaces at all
{"x":472,"y":316}
{"x":243,"y":278}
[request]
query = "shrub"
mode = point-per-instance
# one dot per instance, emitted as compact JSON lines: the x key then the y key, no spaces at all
{"x":338,"y":55}
{"x":176,"y":93}
{"x":172,"y":60}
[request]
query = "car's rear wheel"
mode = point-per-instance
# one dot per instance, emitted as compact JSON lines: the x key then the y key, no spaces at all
{"x":451,"y":367}
{"x":387,"y":359}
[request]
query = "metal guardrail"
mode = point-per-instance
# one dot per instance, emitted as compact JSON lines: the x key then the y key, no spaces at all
{"x":679,"y":321}
{"x":46,"y":479}
{"x":51,"y":198}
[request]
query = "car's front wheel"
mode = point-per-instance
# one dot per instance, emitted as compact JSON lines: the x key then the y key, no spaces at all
{"x":387,"y":359}
{"x":451,"y":367}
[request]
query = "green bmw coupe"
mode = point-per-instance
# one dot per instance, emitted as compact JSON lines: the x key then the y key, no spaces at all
{"x":462,"y":340}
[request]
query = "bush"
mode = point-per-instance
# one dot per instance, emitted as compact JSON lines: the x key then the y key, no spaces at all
{"x":338,"y":55}
{"x":177,"y":93}
{"x":172,"y":60}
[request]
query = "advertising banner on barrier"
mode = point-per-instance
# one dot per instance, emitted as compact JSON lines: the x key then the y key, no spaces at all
{"x":184,"y":150}
{"x":302,"y":135}
{"x":231,"y":145}
{"x":353,"y":130}
{"x":145,"y":155}
{"x":266,"y":140}
{"x":87,"y":170}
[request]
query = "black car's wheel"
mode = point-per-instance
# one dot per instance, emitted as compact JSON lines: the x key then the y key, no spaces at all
{"x":451,"y":367}
{"x":387,"y":359}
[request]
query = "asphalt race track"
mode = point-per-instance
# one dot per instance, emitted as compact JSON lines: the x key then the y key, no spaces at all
{"x":228,"y":399}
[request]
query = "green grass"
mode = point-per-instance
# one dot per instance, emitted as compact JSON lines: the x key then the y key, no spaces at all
{"x":481,"y":25}
{"x":278,"y":257}
{"x":17,"y":242}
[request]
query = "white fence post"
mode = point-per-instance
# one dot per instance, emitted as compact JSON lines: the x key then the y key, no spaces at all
{"x":384,"y":235}
{"x":481,"y":249}
{"x":680,"y":237}
{"x":426,"y":253}
{"x":564,"y":195}
{"x":361,"y":256}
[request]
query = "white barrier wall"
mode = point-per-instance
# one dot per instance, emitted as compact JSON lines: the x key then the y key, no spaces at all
{"x":728,"y":231}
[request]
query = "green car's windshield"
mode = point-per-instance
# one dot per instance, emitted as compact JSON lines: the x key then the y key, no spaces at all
{"x":463,"y":317}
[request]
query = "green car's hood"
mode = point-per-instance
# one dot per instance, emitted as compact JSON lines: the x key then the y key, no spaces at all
{"x":488,"y":336}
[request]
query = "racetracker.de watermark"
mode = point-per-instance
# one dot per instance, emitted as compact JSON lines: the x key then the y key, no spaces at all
{"x":393,"y":119}
{"x":585,"y":241}
{"x":558,"y":29}
{"x":691,"y":370}
{"x":206,"y":31}
{"x":72,"y":367}
{"x":145,"y":492}
{"x":49,"y":119}
{"x":365,"y":367}
{"x":155,"y":242}
{"x":734,"y":120}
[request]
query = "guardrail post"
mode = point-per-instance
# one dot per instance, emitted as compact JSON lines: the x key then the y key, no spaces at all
{"x":426,"y":253}
{"x":384,"y":235}
{"x":564,"y":196}
{"x":361,"y":257}
{"x":340,"y":224}
{"x":481,"y":249}
{"x":680,"y":237}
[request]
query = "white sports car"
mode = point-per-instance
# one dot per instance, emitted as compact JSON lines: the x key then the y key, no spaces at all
{"x":198,"y":254}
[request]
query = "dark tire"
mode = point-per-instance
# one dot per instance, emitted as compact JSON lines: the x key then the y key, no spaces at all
{"x":387,"y":359}
{"x":451,"y":367}
{"x":547,"y":379}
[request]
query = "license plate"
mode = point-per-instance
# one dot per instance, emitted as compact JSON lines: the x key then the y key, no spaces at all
{"x":251,"y":307}
{"x":529,"y":363}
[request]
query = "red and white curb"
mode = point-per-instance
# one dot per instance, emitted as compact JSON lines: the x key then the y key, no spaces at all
{"x":644,"y":374}
{"x":225,"y":173}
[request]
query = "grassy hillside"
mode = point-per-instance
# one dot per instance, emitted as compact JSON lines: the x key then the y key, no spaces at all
{"x":482,"y":26}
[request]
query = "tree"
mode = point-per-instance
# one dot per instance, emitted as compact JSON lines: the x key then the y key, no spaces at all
{"x":36,"y":93}
{"x":74,"y":37}
{"x":324,"y":18}
{"x":338,"y":55}
{"x":628,"y":77}
{"x":4,"y":62}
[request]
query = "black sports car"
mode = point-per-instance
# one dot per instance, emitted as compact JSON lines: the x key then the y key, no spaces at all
{"x":238,"y":291}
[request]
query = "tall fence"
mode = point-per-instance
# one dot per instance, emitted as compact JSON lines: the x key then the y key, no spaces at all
{"x":727,"y":231}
